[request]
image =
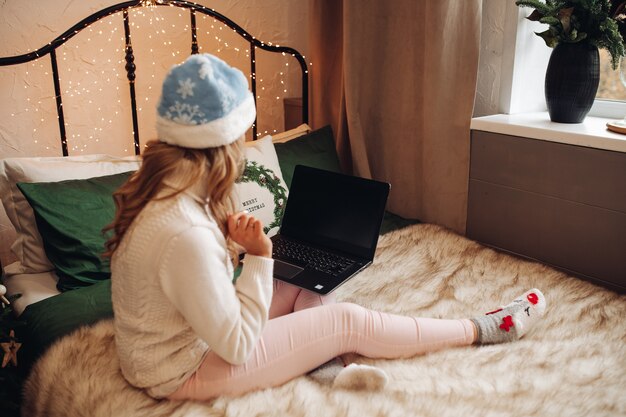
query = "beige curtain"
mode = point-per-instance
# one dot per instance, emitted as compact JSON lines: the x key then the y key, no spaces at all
{"x":396,"y":81}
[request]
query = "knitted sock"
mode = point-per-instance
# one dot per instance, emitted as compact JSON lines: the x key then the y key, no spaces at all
{"x":513,"y":320}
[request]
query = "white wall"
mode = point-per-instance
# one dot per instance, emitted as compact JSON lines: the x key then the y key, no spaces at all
{"x":93,"y":80}
{"x":512,"y":61}
{"x":490,"y":61}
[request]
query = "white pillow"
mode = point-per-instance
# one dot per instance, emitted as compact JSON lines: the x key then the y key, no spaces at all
{"x":262,"y":190}
{"x":28,"y":245}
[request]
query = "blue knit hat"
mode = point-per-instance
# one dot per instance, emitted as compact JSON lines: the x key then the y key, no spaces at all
{"x":204,"y":103}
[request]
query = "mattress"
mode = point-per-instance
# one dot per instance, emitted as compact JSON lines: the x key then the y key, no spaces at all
{"x":48,"y":314}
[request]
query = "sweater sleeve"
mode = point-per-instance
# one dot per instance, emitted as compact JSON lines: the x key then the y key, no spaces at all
{"x":196,"y":279}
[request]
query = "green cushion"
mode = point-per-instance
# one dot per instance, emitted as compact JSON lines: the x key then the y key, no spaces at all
{"x":49,"y":319}
{"x":70,"y":216}
{"x":393,"y":222}
{"x":315,"y":149}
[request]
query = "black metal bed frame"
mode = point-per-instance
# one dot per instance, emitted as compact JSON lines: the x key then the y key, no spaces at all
{"x":50,"y":49}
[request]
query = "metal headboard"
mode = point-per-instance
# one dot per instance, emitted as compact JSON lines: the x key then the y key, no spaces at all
{"x":50,"y":49}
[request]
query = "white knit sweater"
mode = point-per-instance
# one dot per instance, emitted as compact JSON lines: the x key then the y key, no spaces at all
{"x":173,"y":296}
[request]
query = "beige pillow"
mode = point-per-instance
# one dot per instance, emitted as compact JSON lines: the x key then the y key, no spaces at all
{"x":262,"y":190}
{"x":28,"y":246}
{"x":287,"y":135}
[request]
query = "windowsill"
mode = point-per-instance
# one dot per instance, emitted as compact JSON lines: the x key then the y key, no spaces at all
{"x":592,"y":133}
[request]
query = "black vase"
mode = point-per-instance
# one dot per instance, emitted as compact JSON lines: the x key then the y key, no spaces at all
{"x":572,"y":80}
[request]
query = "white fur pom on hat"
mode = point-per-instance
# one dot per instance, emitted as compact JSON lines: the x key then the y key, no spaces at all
{"x":205,"y":103}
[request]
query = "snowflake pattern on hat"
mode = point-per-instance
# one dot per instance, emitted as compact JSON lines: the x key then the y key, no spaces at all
{"x":206,"y":95}
{"x":185,"y":114}
{"x":185,"y":88}
{"x":205,"y":71}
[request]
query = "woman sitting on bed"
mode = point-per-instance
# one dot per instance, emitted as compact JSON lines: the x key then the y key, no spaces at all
{"x":183,"y":329}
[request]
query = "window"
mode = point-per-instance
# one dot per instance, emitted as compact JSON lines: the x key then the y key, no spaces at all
{"x":525,"y":58}
{"x":611,"y":87}
{"x":611,"y":96}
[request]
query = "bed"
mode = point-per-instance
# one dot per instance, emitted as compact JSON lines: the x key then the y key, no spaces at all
{"x":573,"y":363}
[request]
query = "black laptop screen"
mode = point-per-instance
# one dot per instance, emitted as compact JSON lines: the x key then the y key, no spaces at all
{"x":335,"y":210}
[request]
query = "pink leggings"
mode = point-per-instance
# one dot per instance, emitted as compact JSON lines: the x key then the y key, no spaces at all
{"x":306,"y":330}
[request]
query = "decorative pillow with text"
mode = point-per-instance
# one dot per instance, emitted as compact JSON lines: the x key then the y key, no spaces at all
{"x":261,"y":189}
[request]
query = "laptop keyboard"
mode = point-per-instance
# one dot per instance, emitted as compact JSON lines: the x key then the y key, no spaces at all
{"x":306,"y":256}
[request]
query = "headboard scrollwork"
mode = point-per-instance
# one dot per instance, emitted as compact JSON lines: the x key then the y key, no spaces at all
{"x":50,"y":49}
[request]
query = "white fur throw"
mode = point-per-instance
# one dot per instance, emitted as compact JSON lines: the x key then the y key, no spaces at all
{"x":572,"y":364}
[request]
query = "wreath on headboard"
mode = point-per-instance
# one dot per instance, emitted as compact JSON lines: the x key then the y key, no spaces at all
{"x":266,"y":178}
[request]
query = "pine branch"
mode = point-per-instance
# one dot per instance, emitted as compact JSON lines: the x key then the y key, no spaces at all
{"x":598,"y":22}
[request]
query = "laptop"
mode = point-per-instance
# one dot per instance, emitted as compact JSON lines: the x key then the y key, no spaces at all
{"x":329,"y":230}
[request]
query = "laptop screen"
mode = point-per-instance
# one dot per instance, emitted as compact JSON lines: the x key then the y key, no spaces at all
{"x":338,"y":211}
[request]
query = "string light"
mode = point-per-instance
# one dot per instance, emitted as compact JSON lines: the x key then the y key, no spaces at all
{"x":103,"y":72}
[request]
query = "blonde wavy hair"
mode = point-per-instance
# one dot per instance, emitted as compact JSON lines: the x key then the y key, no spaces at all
{"x":220,"y":167}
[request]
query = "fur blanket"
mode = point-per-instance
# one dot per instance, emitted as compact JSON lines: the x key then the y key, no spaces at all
{"x":573,"y":362}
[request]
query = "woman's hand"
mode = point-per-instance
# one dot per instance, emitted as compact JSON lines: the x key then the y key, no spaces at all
{"x":247,"y":231}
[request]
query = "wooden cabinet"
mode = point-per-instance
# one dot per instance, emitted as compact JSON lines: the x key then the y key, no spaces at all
{"x":561,"y":204}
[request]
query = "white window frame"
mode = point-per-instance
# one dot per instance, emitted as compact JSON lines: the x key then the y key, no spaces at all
{"x":611,"y":109}
{"x":524,"y":62}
